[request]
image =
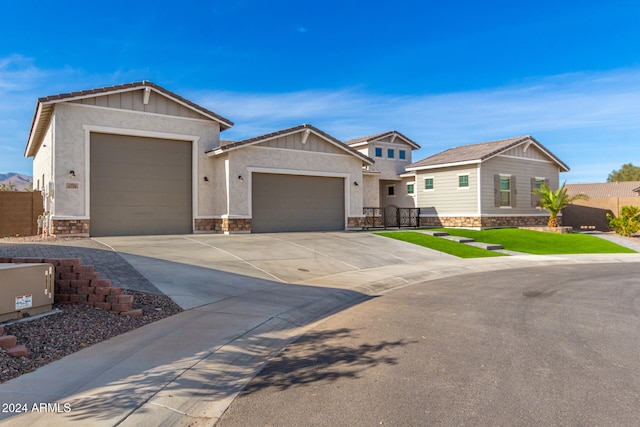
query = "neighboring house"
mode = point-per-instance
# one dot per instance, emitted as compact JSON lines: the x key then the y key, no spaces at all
{"x":485,"y":185}
{"x":605,"y":190}
{"x":603,"y":198}
{"x":139,"y":159}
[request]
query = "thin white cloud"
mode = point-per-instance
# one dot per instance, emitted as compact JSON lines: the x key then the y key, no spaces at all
{"x":590,"y":120}
{"x":578,"y":113}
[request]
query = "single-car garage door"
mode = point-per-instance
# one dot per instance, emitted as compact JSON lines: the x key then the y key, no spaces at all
{"x":296,"y":203}
{"x":139,"y":186}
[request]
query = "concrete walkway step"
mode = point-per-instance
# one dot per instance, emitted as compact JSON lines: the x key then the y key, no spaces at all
{"x":487,"y":246}
{"x":434,"y":233}
{"x":459,"y":239}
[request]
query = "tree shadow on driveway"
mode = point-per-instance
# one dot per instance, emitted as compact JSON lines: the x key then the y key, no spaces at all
{"x":315,"y":358}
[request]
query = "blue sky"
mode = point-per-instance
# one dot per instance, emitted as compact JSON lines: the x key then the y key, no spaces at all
{"x":442,"y":73}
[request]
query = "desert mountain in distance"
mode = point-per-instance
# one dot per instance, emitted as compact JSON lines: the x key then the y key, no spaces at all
{"x":15,"y":181}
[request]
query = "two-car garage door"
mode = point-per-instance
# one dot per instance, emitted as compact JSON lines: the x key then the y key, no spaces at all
{"x":297,"y":203}
{"x":140,"y":186}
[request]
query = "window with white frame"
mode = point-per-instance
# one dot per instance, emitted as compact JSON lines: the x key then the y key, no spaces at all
{"x":410,"y":188}
{"x":428,"y":183}
{"x":378,"y":152}
{"x":463,"y":181}
{"x":402,"y":154}
{"x":505,"y":191}
{"x":391,"y":153}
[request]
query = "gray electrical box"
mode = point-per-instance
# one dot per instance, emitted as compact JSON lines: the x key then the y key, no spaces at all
{"x":25,"y":289}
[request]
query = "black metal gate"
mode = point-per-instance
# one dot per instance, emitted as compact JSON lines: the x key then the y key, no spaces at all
{"x":391,"y":217}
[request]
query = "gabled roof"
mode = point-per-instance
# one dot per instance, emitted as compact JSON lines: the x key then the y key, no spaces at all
{"x":478,"y":153}
{"x":605,"y":190}
{"x":44,"y":108}
{"x":371,"y":138}
{"x":226,"y":146}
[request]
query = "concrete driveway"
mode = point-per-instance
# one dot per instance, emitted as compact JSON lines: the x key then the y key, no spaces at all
{"x":244,"y":261}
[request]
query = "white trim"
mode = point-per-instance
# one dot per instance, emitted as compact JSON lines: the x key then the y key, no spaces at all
{"x":479,"y":188}
{"x":511,"y":192}
{"x":140,"y":132}
{"x":35,"y":122}
{"x":531,"y":140}
{"x":132,"y":89}
{"x":378,"y":140}
{"x":433,"y":183}
{"x":466,"y":215}
{"x":468,"y":175}
{"x":69,"y":217}
{"x":414,"y":193}
{"x":227,"y":181}
{"x":194,"y":139}
{"x":443,"y":165}
{"x":344,"y":147}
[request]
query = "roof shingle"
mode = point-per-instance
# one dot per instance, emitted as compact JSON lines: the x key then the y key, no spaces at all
{"x":479,"y":153}
{"x":605,"y":190}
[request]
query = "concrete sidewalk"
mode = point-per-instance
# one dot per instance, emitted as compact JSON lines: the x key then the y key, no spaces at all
{"x":244,"y":306}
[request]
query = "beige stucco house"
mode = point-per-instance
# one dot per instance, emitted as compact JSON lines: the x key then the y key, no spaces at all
{"x":139,"y":159}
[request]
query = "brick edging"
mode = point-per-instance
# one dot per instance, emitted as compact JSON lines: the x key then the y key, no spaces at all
{"x":80,"y":284}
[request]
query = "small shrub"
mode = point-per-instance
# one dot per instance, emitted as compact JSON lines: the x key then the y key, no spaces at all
{"x":627,"y":223}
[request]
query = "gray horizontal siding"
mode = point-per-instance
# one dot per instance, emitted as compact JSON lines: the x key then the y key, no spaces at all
{"x":523,"y":170}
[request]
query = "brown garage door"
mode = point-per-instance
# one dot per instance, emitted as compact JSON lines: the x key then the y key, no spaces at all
{"x":296,"y":203}
{"x":139,"y":186}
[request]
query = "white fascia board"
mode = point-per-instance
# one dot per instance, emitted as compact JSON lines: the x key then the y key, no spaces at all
{"x":132,"y":89}
{"x":530,"y":142}
{"x":444,"y":165}
{"x":407,"y":175}
{"x":36,"y":120}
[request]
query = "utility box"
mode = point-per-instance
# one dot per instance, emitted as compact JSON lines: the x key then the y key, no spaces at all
{"x":25,"y":290}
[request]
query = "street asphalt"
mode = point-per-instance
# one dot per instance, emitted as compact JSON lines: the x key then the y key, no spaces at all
{"x":247,"y":297}
{"x":556,"y":346}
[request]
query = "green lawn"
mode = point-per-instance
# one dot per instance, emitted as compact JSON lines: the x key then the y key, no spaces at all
{"x":443,"y":245}
{"x":527,"y":241}
{"x":541,"y":243}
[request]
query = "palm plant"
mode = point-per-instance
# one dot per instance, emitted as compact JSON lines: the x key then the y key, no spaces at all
{"x":555,"y":201}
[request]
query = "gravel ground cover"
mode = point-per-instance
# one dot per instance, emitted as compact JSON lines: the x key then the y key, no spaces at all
{"x":74,"y":327}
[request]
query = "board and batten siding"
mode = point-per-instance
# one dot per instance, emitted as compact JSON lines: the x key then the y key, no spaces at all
{"x":295,"y":142}
{"x":446,"y":197}
{"x":523,"y":169}
{"x":133,"y":101}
